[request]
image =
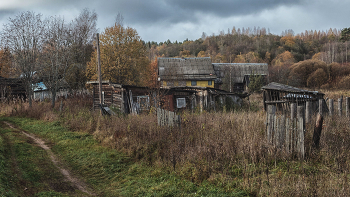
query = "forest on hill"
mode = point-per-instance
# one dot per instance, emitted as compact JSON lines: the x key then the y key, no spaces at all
{"x":66,"y":51}
{"x":308,"y":59}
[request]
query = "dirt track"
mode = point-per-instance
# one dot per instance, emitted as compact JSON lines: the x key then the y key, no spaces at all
{"x":78,"y":184}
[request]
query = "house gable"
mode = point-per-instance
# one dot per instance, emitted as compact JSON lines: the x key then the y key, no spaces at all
{"x":183,"y":71}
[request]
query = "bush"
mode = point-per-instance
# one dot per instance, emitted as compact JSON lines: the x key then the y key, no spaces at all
{"x":317,"y":78}
{"x":301,"y":71}
{"x":344,"y":83}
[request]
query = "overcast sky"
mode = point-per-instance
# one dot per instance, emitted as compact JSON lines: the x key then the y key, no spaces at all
{"x":160,"y":20}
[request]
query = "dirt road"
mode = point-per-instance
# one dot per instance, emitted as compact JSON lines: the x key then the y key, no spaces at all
{"x":70,"y":182}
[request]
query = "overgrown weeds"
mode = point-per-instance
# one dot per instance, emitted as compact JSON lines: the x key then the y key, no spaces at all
{"x":225,"y":149}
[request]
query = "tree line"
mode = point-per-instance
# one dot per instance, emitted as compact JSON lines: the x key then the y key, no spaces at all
{"x":59,"y":52}
{"x":284,"y":53}
{"x":63,"y":54}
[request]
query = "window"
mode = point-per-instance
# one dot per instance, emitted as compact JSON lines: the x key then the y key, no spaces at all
{"x":193,"y":83}
{"x":180,"y":102}
{"x":210,"y":83}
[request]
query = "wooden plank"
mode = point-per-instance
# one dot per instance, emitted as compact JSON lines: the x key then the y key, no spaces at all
{"x":287,"y":141}
{"x":301,"y":137}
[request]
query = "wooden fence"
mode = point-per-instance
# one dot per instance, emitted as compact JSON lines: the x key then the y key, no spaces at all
{"x":285,"y":133}
{"x":168,"y":118}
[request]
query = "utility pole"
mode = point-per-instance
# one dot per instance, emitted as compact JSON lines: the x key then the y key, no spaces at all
{"x":99,"y":68}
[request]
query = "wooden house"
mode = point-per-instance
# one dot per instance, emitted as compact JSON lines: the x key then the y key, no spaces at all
{"x":190,"y":72}
{"x":235,"y":77}
{"x":283,"y":95}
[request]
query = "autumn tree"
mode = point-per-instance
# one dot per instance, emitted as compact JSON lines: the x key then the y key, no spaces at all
{"x":301,"y":71}
{"x":123,"y":56}
{"x":151,"y":79}
{"x":5,"y":63}
{"x":24,"y":37}
{"x":279,"y":69}
{"x":317,"y":78}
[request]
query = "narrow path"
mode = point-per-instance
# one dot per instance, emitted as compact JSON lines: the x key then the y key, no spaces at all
{"x":74,"y":181}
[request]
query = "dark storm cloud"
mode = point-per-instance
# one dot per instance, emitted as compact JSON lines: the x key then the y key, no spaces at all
{"x":174,"y":11}
{"x":225,"y":8}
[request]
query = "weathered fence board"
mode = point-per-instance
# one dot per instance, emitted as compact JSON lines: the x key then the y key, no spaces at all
{"x":167,"y":118}
{"x":285,"y":133}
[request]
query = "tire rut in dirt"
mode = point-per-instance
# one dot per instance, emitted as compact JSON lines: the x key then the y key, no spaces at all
{"x":50,"y":178}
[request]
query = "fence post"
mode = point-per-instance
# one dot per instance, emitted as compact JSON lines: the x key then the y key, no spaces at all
{"x":271,"y":111}
{"x":340,"y":106}
{"x":320,"y":106}
{"x":282,"y":135}
{"x":331,"y":107}
{"x":347,"y":103}
{"x":301,"y":148}
{"x":287,"y":142}
{"x":301,"y":113}
{"x":308,"y":111}
{"x":170,"y":118}
{"x":293,"y":110}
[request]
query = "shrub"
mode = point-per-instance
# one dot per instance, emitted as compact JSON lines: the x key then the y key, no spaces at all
{"x":317,"y":78}
{"x":301,"y":71}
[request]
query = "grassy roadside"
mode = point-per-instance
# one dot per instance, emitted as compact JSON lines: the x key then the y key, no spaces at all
{"x":26,"y":169}
{"x":111,"y":173}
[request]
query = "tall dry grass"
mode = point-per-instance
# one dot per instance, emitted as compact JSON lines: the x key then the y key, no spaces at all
{"x":226,"y":149}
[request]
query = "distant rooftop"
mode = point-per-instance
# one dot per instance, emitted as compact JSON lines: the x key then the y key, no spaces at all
{"x":186,"y":69}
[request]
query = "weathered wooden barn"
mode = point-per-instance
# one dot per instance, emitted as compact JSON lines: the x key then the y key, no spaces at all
{"x":133,"y":99}
{"x":196,"y":98}
{"x":125,"y":98}
{"x":283,"y":95}
{"x":235,"y":77}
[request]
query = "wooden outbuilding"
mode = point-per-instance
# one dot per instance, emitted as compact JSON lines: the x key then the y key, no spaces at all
{"x":125,"y":98}
{"x":11,"y":88}
{"x":235,"y":77}
{"x":283,"y":95}
{"x":201,"y":98}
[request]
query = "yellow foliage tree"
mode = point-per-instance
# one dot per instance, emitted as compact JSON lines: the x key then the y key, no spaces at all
{"x":123,"y":57}
{"x":239,"y":59}
{"x":288,"y":41}
{"x":286,"y":58}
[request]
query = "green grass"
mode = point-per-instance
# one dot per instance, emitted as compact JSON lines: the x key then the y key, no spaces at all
{"x":111,"y":173}
{"x":26,"y":169}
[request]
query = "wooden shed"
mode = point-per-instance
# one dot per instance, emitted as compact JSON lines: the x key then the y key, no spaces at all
{"x":234,"y":77}
{"x":283,"y":95}
{"x":125,"y":98}
{"x":201,"y":98}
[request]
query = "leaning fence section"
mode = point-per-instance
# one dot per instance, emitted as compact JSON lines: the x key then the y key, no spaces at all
{"x":285,"y":134}
{"x":168,"y":118}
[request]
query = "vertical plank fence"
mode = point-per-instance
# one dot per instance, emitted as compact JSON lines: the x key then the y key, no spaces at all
{"x":285,"y":133}
{"x":168,"y":118}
